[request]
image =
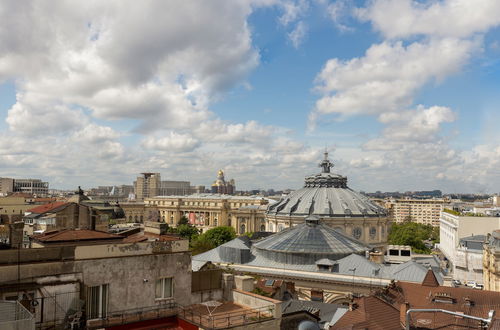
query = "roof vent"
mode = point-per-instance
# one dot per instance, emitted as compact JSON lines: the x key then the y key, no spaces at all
{"x":312,"y":220}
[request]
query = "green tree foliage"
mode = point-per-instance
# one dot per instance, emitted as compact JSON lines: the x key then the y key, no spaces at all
{"x":187,"y":231}
{"x":183,"y":221}
{"x":212,"y":239}
{"x":220,"y":235}
{"x":413,"y":234}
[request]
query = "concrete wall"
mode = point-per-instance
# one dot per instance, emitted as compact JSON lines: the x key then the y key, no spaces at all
{"x":132,"y":280}
{"x":256,"y":301}
{"x":202,"y":296}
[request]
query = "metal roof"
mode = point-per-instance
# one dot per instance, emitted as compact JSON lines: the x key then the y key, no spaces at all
{"x":325,"y":195}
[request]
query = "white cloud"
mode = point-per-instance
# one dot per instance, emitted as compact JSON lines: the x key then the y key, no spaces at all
{"x":292,"y":11}
{"x":339,"y":11}
{"x":298,"y":34}
{"x":387,"y":77}
{"x":173,"y":142}
{"x":448,"y":18}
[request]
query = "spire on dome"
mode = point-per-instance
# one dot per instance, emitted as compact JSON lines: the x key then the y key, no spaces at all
{"x":326,"y":164}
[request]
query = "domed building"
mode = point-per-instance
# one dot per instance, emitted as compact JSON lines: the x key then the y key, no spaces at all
{"x":221,"y":186}
{"x":327,"y":196}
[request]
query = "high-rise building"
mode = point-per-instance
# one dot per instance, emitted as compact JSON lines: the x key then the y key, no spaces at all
{"x":28,"y":186}
{"x":425,"y":211}
{"x":220,"y":186}
{"x":147,"y":185}
{"x":178,"y":188}
{"x":6,"y":186}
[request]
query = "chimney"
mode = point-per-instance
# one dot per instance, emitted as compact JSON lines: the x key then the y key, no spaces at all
{"x":377,"y":257}
{"x":16,"y":234}
{"x":402,"y":312}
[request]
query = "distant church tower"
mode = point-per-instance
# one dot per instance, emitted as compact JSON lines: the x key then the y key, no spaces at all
{"x":220,"y":186}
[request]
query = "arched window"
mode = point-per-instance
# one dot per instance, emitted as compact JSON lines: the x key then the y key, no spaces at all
{"x":141,"y":218}
{"x":229,"y":222}
{"x":280,"y":227}
{"x":373,"y":232}
{"x":242,"y":229}
{"x":356,"y":232}
{"x":135,"y":218}
{"x":262,"y":228}
{"x":130,"y":218}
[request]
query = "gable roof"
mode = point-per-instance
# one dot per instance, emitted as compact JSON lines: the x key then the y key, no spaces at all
{"x":68,"y":235}
{"x":370,"y":313}
{"x":430,"y":279}
{"x":50,"y":207}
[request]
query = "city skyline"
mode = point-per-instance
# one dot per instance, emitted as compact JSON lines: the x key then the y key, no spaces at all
{"x":403,"y":94}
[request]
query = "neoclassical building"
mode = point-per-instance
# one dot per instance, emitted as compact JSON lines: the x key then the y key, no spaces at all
{"x":327,"y":196}
{"x":491,"y":262}
{"x":206,"y":211}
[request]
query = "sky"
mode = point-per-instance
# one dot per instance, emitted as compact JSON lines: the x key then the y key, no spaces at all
{"x":405,"y":95}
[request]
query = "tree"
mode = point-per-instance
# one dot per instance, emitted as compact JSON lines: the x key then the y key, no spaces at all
{"x":187,"y":231}
{"x":412,"y":234}
{"x":183,"y":220}
{"x":201,"y":244}
{"x":220,"y":235}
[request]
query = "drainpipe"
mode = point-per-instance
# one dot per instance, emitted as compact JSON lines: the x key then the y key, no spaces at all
{"x":411,"y":310}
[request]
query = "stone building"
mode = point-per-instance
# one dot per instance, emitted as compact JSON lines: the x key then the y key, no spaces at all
{"x":327,"y":196}
{"x":323,"y":263}
{"x":491,"y":262}
{"x":206,"y":211}
{"x":221,"y":186}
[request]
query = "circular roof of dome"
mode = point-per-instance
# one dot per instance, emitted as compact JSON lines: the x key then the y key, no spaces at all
{"x":326,"y":195}
{"x":309,"y":242}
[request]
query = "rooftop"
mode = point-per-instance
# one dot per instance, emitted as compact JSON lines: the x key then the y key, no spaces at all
{"x":326,"y":195}
{"x":50,"y":207}
{"x":71,"y":235}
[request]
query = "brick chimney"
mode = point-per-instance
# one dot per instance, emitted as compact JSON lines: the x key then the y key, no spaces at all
{"x":402,"y":312}
{"x":16,"y":234}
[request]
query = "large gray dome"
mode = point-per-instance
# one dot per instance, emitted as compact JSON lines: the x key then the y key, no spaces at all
{"x":327,"y":196}
{"x":307,"y":243}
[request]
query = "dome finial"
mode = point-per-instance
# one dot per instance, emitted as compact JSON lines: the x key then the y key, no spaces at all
{"x":326,"y":164}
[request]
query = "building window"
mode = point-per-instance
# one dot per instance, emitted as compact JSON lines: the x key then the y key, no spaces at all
{"x":373,"y":232}
{"x":356,"y":233}
{"x":97,"y":301}
{"x":262,"y":228}
{"x":164,"y":288}
{"x":242,"y":228}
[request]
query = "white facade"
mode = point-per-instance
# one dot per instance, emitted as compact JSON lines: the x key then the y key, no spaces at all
{"x":452,"y":229}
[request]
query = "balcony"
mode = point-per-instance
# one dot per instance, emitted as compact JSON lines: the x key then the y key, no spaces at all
{"x":13,"y":316}
{"x":134,"y":315}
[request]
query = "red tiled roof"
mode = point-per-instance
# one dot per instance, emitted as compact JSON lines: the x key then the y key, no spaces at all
{"x":74,"y":235}
{"x":465,"y":300}
{"x":430,"y":279}
{"x":46,"y":207}
{"x":370,"y":313}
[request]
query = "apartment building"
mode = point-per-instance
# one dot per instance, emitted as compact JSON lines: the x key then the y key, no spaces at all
{"x":147,"y":185}
{"x":425,"y":211}
{"x":461,"y":243}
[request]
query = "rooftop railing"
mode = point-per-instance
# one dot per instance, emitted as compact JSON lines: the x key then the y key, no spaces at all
{"x":224,"y":320}
{"x":134,"y":315}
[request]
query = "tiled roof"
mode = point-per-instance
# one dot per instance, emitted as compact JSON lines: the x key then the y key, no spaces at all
{"x":145,"y":236}
{"x":47,"y":207}
{"x":369,"y":313}
{"x":464,"y":300}
{"x":68,"y":235}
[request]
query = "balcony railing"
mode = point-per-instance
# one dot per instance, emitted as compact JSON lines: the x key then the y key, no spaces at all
{"x":134,"y":315}
{"x":226,"y":319}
